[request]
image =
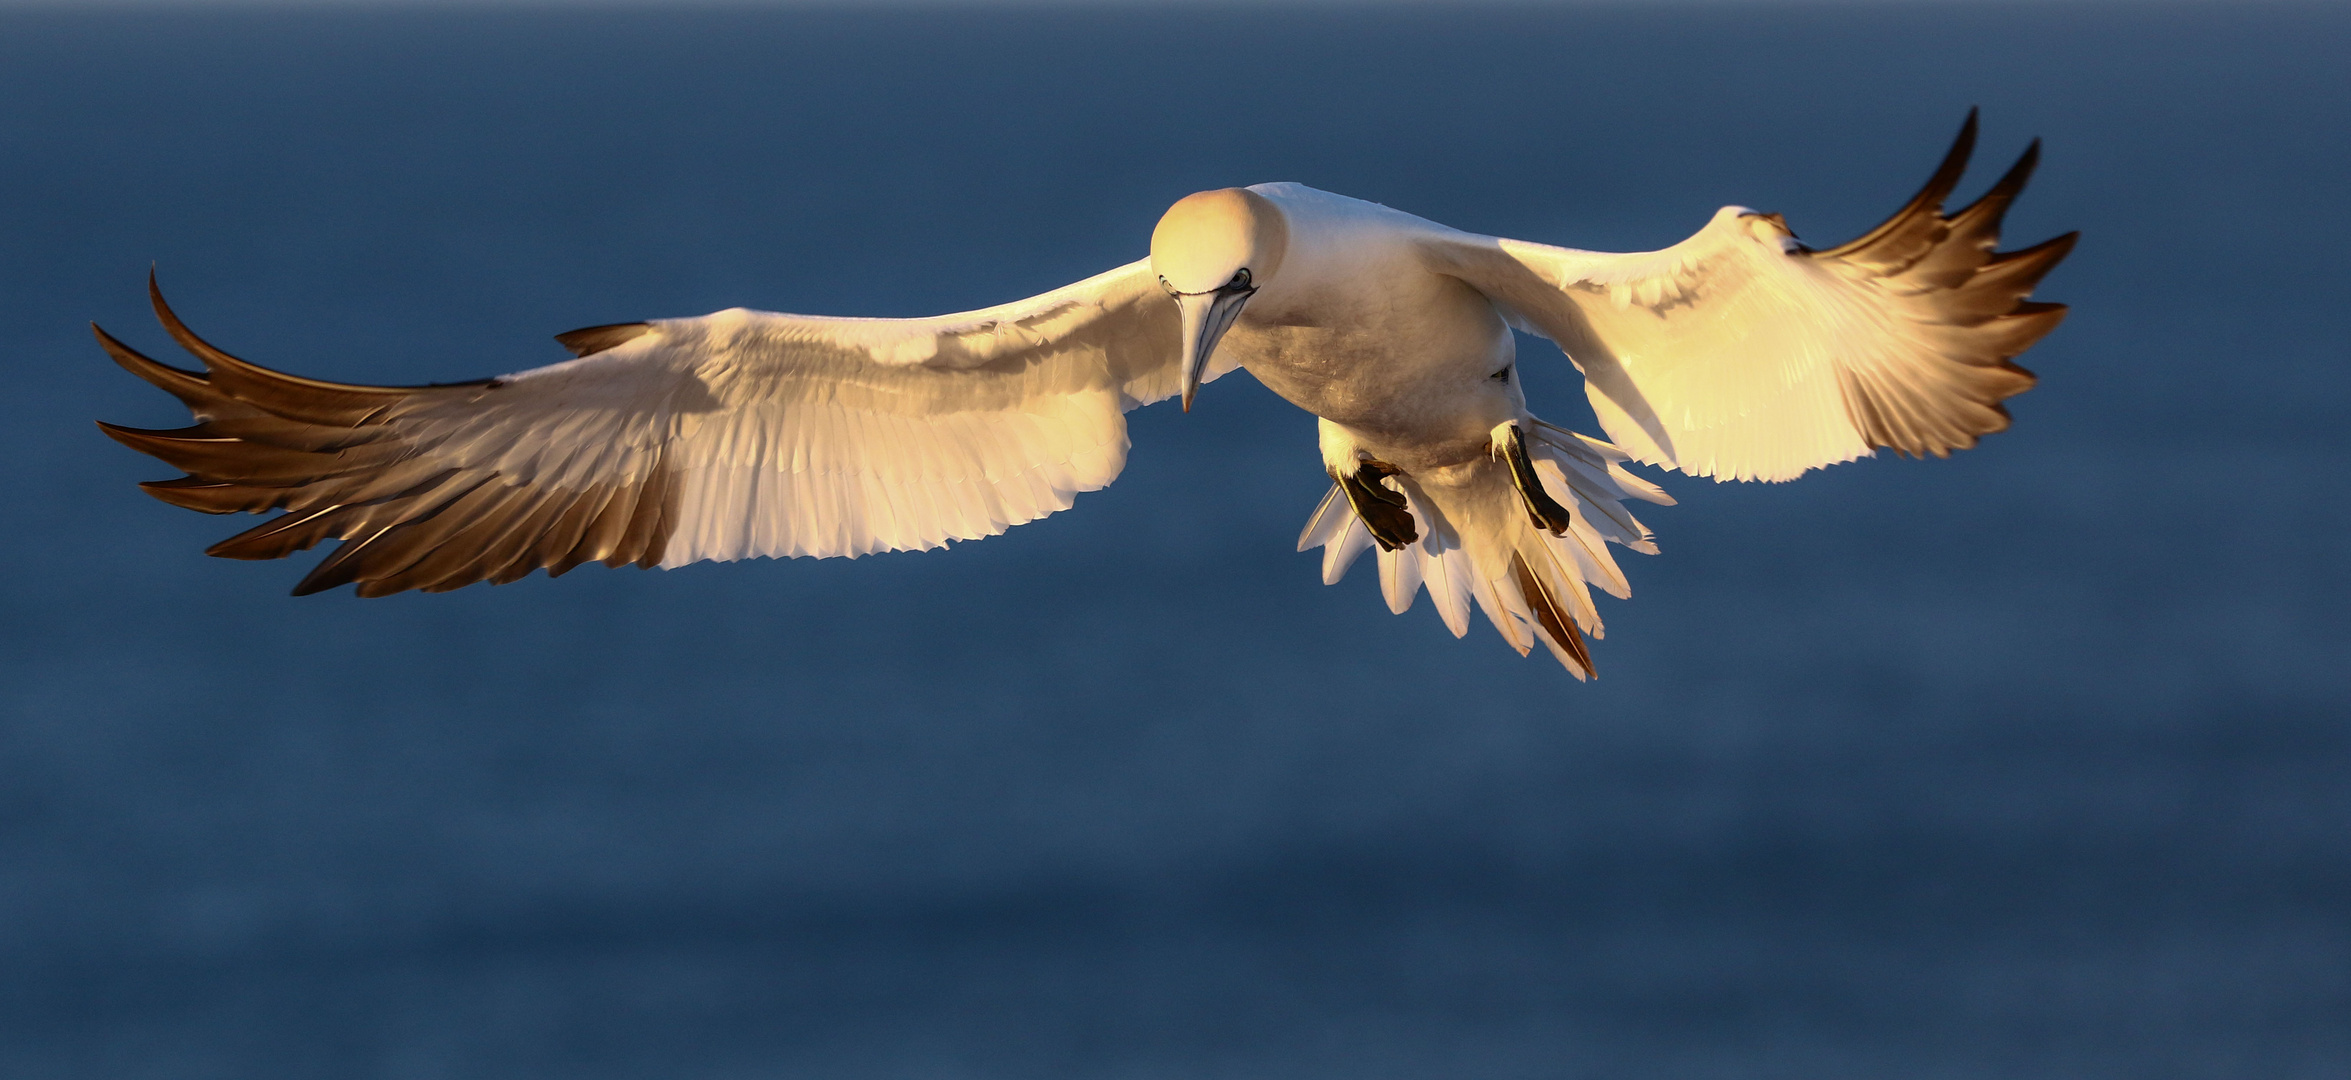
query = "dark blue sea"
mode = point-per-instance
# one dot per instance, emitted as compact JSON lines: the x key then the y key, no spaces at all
{"x":2033,"y":763}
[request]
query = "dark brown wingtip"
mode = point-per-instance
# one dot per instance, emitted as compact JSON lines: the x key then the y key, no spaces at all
{"x":115,"y":432}
{"x":213,"y":496}
{"x":191,"y":387}
{"x":590,"y":340}
{"x":1994,"y":202}
{"x":277,"y":537}
{"x":269,"y":440}
{"x":140,"y":364}
{"x":196,"y":346}
{"x":1929,"y":199}
{"x":2016,"y":176}
{"x":154,"y":442}
{"x":1946,"y":177}
{"x":2052,"y":251}
{"x":2025,"y":267}
{"x":293,"y":397}
{"x":1962,"y":144}
{"x":310,"y":585}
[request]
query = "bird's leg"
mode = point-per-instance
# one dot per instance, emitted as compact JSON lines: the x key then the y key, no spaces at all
{"x":1381,"y":508}
{"x":1546,"y":512}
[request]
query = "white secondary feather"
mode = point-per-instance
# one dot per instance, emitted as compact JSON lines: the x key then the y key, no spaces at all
{"x":800,"y":435}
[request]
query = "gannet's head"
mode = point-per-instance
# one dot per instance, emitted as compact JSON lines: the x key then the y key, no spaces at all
{"x":1213,"y":251}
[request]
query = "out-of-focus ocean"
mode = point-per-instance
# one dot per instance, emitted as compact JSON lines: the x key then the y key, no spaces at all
{"x":2033,"y":763}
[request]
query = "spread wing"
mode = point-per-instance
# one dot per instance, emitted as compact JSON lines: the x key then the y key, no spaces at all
{"x":733,"y":435}
{"x":1743,"y":355}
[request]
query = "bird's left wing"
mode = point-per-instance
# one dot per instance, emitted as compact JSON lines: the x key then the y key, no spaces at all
{"x":1742,"y":354}
{"x":729,"y":436}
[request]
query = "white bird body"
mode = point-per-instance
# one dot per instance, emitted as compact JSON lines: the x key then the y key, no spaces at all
{"x":1360,"y":330}
{"x":1738,"y":354}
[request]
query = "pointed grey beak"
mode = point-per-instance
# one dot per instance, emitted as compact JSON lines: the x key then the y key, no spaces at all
{"x":1206,"y":317}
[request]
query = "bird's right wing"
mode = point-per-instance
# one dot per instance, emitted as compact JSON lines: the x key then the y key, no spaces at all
{"x":729,"y":436}
{"x":1742,"y":354}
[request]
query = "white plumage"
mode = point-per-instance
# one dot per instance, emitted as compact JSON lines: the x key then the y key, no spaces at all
{"x":1737,"y":354}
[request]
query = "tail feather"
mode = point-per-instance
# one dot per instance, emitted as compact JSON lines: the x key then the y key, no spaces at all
{"x":1448,"y":574}
{"x":1477,"y":547}
{"x":1342,"y":550}
{"x":1324,"y":524}
{"x":1559,"y":630}
{"x":1569,"y":579}
{"x":1400,"y":578}
{"x":1603,"y":458}
{"x":1494,"y":596}
{"x":1594,"y":524}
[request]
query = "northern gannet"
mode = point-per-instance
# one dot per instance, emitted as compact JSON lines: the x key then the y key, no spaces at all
{"x":1739,"y":353}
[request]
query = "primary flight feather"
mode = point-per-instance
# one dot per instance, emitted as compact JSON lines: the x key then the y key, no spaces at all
{"x":1738,"y":353}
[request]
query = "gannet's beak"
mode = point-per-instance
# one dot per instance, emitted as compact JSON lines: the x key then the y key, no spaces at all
{"x":1206,"y":317}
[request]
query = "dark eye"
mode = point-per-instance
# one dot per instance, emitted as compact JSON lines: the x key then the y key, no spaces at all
{"x":1502,"y":375}
{"x":1240,"y":279}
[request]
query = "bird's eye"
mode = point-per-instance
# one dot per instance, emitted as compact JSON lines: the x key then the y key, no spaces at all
{"x":1240,"y":279}
{"x":1502,"y":375}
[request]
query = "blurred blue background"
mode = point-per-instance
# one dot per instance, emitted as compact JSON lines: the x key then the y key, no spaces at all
{"x":2031,"y":763}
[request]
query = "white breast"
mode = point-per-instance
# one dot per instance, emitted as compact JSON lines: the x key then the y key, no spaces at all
{"x":1358,"y":330}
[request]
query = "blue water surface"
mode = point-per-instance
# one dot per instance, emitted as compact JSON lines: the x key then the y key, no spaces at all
{"x":2033,"y":763}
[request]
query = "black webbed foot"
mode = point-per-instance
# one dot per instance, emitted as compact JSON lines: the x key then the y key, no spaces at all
{"x":1382,"y":509}
{"x":1545,"y":511}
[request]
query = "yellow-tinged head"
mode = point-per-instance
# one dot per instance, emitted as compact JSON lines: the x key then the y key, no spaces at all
{"x":1212,"y":251}
{"x":1208,"y":237}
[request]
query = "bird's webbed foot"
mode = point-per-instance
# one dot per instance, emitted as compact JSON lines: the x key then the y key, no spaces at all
{"x":1381,"y":508}
{"x":1544,"y":510}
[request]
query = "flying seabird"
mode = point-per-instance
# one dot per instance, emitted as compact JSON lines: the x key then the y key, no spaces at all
{"x":1739,"y":354}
